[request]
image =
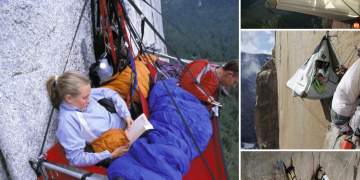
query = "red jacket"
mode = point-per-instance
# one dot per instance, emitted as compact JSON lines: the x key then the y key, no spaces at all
{"x":205,"y":73}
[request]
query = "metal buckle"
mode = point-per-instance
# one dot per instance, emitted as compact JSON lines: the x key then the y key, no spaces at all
{"x":103,"y":56}
{"x":52,"y":176}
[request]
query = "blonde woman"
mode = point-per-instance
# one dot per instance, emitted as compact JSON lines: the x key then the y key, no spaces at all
{"x":82,"y":119}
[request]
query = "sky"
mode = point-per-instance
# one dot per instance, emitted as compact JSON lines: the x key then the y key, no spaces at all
{"x":257,"y":42}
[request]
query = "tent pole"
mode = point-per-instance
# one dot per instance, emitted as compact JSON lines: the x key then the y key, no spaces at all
{"x":187,"y":61}
{"x":166,"y":56}
{"x":63,"y":170}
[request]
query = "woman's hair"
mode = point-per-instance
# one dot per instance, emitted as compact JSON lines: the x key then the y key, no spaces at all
{"x":233,"y":66}
{"x":67,"y":83}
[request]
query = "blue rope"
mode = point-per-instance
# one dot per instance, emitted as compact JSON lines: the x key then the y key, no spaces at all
{"x":279,"y":167}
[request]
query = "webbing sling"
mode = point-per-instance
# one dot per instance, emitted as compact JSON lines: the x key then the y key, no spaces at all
{"x":52,"y":110}
{"x":105,"y":16}
{"x":177,"y":108}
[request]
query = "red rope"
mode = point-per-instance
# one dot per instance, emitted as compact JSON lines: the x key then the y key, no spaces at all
{"x":124,"y":29}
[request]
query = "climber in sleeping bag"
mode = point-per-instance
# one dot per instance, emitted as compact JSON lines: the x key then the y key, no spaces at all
{"x":166,"y":152}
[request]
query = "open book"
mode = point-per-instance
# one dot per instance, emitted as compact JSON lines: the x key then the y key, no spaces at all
{"x":141,"y":126}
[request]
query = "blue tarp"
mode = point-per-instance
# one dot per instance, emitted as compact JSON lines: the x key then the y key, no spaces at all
{"x":166,"y":152}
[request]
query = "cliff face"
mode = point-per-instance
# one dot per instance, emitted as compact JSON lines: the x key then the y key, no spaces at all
{"x":250,"y":66}
{"x":35,"y":39}
{"x":302,"y":122}
{"x":266,"y":108}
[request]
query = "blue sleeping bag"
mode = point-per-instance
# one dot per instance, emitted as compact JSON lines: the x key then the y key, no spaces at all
{"x":166,"y":152}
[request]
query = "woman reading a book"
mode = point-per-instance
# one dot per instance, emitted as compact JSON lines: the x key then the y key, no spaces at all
{"x":89,"y":133}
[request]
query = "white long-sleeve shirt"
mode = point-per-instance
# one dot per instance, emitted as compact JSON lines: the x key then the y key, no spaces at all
{"x":347,"y":91}
{"x":76,"y":128}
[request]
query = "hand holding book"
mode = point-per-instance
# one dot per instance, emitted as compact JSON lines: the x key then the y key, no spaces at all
{"x":141,"y":126}
{"x":128,"y":121}
{"x":120,"y":150}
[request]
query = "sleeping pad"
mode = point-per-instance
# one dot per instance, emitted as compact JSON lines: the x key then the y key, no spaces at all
{"x":166,"y":152}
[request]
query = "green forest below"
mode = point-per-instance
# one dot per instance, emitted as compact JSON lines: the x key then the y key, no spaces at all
{"x":214,"y":26}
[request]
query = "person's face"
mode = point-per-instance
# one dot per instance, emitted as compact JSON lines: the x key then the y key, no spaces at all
{"x":82,"y":100}
{"x":320,"y":78}
{"x":230,"y":80}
